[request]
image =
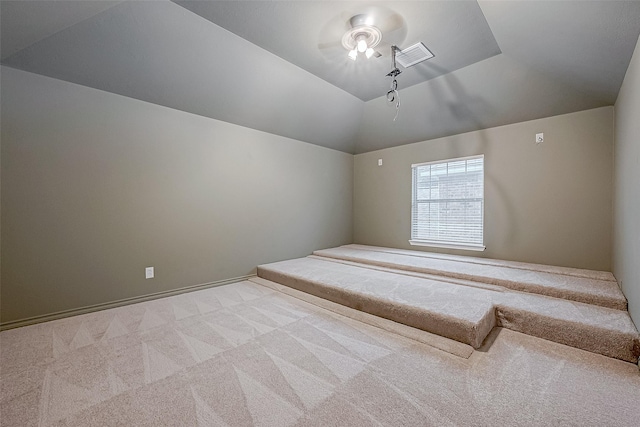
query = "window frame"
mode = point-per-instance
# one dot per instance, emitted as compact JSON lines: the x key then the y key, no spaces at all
{"x":471,"y":246}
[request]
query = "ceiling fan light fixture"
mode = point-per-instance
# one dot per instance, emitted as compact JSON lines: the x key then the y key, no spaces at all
{"x":353,"y":54}
{"x":361,"y":36}
{"x":362,"y":43}
{"x":369,"y":52}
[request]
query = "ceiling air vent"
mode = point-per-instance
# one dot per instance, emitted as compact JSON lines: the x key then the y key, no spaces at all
{"x":413,"y":55}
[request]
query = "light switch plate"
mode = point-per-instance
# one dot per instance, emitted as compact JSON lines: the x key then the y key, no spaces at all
{"x":148,"y":273}
{"x":539,"y":138}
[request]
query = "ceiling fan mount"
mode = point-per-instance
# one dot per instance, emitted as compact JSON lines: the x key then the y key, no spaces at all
{"x":362,"y":37}
{"x":369,"y":32}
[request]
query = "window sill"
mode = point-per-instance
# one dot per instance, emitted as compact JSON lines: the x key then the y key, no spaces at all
{"x":478,"y":248}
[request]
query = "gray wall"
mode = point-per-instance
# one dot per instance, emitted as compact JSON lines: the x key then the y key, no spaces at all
{"x":547,"y":203}
{"x":96,"y":187}
{"x":626,"y":188}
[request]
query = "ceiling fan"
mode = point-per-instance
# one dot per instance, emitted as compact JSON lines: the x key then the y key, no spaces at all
{"x":368,"y":33}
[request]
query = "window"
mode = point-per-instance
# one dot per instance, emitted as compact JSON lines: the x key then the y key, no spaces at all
{"x":448,"y":203}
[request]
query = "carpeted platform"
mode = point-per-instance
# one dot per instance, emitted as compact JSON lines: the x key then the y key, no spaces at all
{"x":405,"y":287}
{"x":592,"y":287}
{"x":437,"y":341}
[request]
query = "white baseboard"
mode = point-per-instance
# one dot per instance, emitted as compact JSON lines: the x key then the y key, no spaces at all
{"x":104,"y":306}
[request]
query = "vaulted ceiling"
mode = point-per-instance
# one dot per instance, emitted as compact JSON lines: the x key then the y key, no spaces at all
{"x":279,"y":66}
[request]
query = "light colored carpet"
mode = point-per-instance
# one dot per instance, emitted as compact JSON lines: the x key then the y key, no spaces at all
{"x":245,"y":355}
{"x":592,"y":287}
{"x":567,"y":271}
{"x":460,"y":309}
{"x":450,"y":346}
{"x":459,"y":313}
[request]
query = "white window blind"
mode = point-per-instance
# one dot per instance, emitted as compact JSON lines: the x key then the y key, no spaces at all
{"x":448,"y":203}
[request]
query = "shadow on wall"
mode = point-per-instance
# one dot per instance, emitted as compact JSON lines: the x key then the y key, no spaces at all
{"x":464,"y":106}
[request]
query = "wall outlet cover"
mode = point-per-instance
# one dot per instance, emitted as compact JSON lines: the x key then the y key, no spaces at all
{"x":148,"y":273}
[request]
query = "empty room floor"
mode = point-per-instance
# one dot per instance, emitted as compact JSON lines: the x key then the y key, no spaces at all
{"x":245,"y":354}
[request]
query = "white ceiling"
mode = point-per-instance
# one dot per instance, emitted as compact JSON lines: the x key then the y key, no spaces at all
{"x":308,"y":35}
{"x":272,"y":65}
{"x":25,"y":22}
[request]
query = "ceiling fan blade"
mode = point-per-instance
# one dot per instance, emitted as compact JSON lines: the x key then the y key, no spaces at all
{"x":391,"y":23}
{"x":330,"y":44}
{"x":330,"y":35}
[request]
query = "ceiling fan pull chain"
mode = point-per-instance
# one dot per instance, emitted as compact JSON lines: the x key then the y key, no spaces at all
{"x":393,"y":95}
{"x":397,"y":106}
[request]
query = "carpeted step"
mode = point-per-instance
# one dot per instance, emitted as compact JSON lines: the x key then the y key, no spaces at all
{"x":592,"y":287}
{"x":464,"y":315}
{"x":597,"y":329}
{"x":569,"y":271}
{"x":436,"y":341}
{"x":459,"y":309}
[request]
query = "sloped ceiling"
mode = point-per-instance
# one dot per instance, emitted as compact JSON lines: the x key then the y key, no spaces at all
{"x":309,"y":36}
{"x":26,"y":22}
{"x":272,"y":66}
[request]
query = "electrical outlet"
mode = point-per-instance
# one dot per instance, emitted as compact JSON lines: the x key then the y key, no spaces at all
{"x":539,"y":138}
{"x":379,"y":162}
{"x":148,"y":273}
